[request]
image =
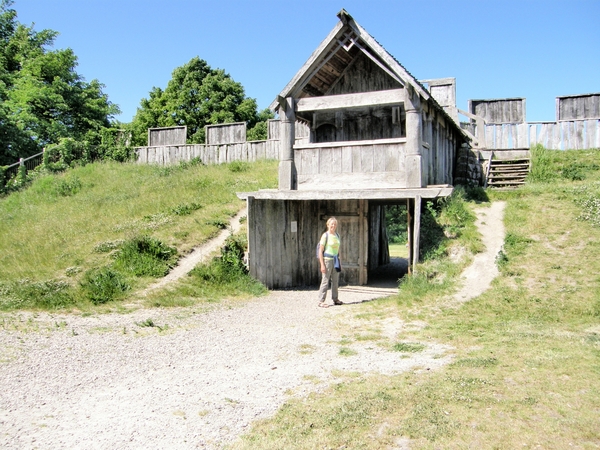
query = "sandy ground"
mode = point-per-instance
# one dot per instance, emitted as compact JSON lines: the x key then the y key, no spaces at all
{"x":198,"y":378}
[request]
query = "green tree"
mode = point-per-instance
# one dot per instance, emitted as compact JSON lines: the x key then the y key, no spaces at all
{"x":195,"y":96}
{"x":43,"y":98}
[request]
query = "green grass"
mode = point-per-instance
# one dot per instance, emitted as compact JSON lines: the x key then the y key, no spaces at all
{"x":526,"y":354}
{"x":133,"y":219}
{"x":398,"y":251}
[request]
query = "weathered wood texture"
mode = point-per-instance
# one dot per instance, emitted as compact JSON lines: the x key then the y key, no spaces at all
{"x":208,"y":154}
{"x":509,"y":110}
{"x":302,"y":131}
{"x":578,"y":107}
{"x":167,"y":136}
{"x":438,"y":155}
{"x":362,"y":75}
{"x":226,"y":133}
{"x":282,"y":258}
{"x":350,"y":165}
{"x":574,"y":134}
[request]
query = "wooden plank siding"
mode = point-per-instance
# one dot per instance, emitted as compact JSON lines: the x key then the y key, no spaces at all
{"x":208,"y":154}
{"x":578,"y":107}
{"x":331,"y":166}
{"x":575,"y":134}
{"x":167,"y":136}
{"x":225,"y":133}
{"x":282,"y":258}
{"x":499,"y":111}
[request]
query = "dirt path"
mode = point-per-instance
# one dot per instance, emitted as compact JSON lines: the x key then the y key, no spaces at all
{"x":198,"y":378}
{"x":478,"y":276}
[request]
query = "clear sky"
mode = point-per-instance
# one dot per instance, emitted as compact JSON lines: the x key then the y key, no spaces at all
{"x":537,"y":49}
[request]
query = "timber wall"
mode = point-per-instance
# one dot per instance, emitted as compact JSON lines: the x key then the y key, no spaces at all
{"x":208,"y":154}
{"x":225,"y":143}
{"x":282,"y":255}
{"x":577,"y":124}
{"x":370,"y":164}
{"x":167,"y":136}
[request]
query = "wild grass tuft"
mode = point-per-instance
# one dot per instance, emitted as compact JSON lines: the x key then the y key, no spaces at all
{"x":145,"y":256}
{"x":103,"y":285}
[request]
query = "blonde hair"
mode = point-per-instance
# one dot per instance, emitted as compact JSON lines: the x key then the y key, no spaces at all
{"x":331,"y":219}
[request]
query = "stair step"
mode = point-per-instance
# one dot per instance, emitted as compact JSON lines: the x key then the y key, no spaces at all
{"x":507,"y":177}
{"x":511,"y":160}
{"x":500,"y":166}
{"x":507,"y":170}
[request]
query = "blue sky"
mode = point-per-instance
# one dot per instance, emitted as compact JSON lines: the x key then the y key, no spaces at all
{"x":537,"y":49}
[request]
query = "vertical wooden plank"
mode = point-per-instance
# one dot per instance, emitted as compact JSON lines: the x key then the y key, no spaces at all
{"x":346,"y":159}
{"x":591,"y":134}
{"x":522,"y":141}
{"x":490,"y":136}
{"x":336,"y":160}
{"x":571,"y":135}
{"x":533,"y":136}
{"x":366,"y":159}
{"x":356,"y":159}
{"x":379,"y":158}
{"x":501,"y":136}
{"x":555,"y":138}
{"x":578,"y":134}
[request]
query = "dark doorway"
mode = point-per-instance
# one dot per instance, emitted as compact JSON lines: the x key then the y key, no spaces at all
{"x":388,"y":243}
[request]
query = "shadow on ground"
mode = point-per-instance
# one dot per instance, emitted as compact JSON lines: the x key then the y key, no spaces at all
{"x":387,"y":276}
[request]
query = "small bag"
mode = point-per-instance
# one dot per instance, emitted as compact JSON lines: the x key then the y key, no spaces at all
{"x":319,"y":244}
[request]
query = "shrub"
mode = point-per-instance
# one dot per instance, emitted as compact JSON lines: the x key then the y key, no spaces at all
{"x":145,"y":256}
{"x":103,"y":285}
{"x":573,"y":172}
{"x":229,"y":267}
{"x":68,"y":186}
{"x":49,"y":294}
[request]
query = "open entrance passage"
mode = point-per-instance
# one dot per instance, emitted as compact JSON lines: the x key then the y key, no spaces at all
{"x":388,"y":243}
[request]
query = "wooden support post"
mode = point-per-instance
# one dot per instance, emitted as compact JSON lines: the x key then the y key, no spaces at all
{"x":416,"y":232}
{"x":288,"y":177}
{"x":409,"y":227}
{"x":413,"y":138}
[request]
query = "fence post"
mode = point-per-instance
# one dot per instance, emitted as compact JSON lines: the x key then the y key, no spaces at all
{"x":22,"y":173}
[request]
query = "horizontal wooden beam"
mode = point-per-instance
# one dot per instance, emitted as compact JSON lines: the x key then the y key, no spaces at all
{"x":350,"y":194}
{"x":365,"y":143}
{"x":331,"y":102}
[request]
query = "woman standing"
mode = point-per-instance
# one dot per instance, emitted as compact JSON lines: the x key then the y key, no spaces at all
{"x":329,"y":259}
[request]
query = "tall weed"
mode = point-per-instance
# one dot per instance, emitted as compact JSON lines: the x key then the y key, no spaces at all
{"x":103,"y":285}
{"x":542,"y":170}
{"x":145,"y":256}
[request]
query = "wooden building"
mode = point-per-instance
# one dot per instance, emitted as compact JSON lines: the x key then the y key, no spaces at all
{"x":372,"y":136}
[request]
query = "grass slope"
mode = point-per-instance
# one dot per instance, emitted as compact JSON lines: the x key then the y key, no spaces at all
{"x":64,"y":226}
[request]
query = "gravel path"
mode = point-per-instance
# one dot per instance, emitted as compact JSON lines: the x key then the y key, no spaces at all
{"x":197,"y":379}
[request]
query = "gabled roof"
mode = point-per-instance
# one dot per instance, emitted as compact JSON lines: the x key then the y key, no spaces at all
{"x":335,"y":54}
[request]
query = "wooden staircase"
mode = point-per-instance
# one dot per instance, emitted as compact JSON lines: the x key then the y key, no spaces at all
{"x":507,"y":173}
